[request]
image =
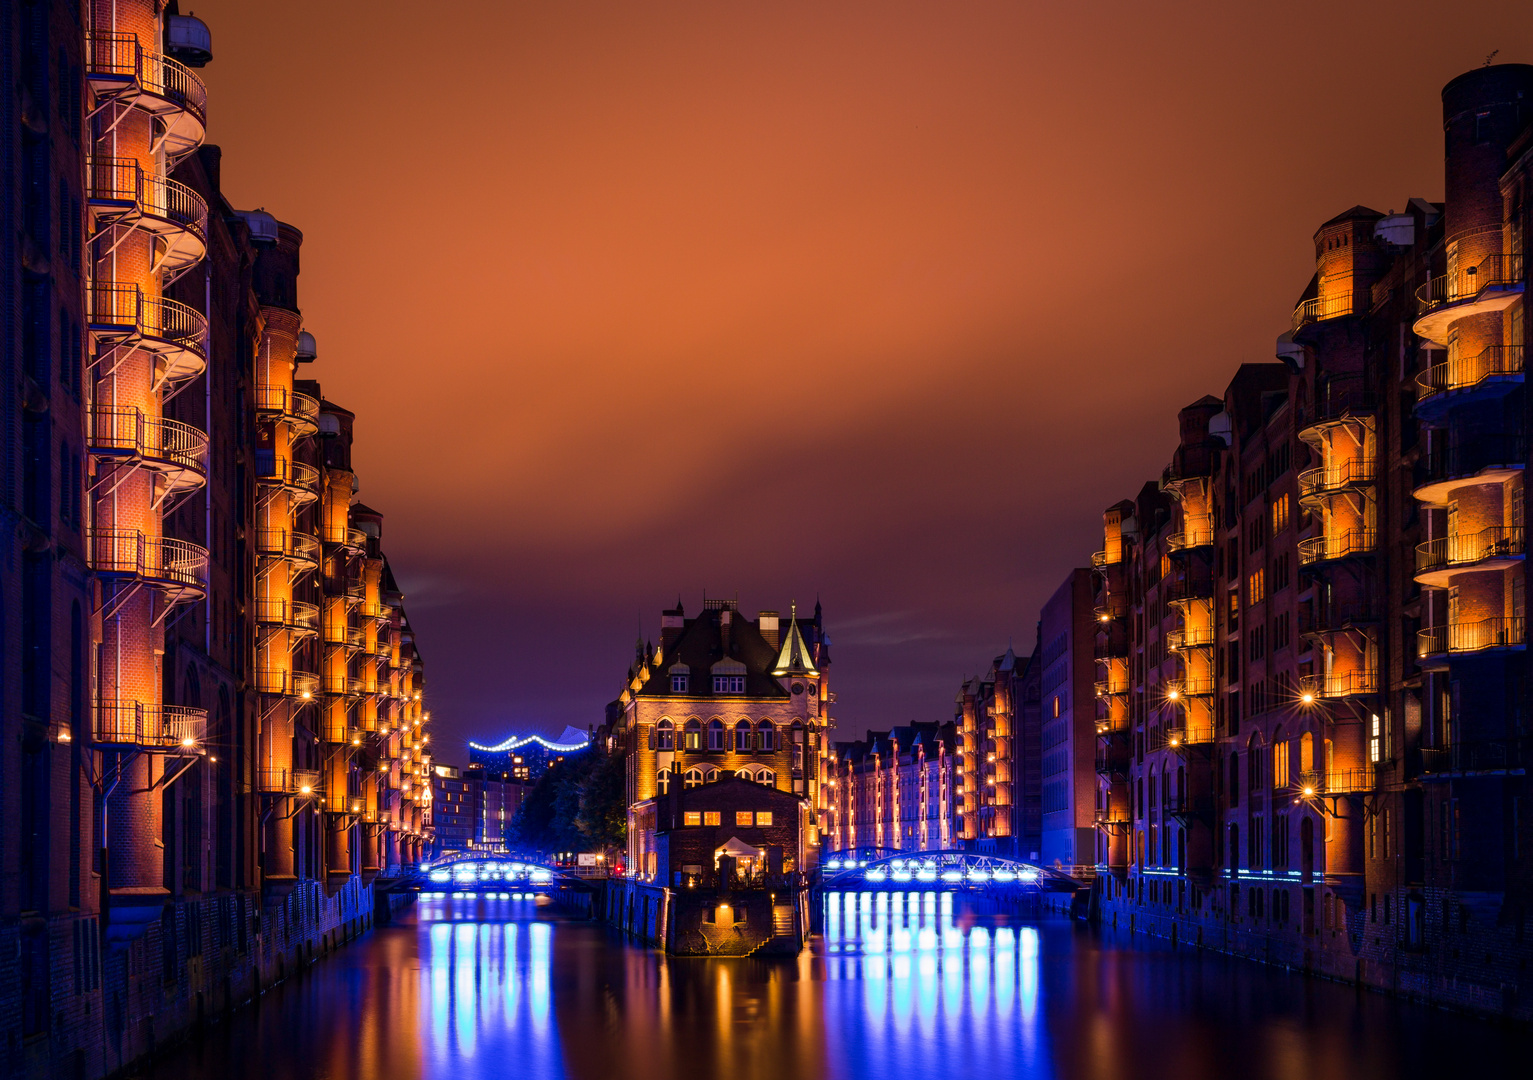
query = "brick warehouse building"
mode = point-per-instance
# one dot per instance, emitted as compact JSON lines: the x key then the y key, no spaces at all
{"x":1312,"y":706}
{"x":211,"y":723}
{"x":897,"y":790}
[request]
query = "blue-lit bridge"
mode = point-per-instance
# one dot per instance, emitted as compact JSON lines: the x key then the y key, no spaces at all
{"x":942,"y":870}
{"x":473,"y":873}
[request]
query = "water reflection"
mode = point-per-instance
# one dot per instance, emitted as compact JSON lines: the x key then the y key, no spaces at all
{"x":900,"y":984}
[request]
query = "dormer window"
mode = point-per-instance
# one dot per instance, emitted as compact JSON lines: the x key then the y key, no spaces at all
{"x":729,"y":684}
{"x":679,"y":683}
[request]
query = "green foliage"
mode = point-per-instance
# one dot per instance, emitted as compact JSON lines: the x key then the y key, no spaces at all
{"x":578,"y":805}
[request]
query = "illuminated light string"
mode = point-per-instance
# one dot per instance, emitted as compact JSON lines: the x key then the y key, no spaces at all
{"x":514,"y":743}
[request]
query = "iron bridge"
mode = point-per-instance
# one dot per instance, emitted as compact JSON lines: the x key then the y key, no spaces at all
{"x":475,"y":872}
{"x":942,"y":870}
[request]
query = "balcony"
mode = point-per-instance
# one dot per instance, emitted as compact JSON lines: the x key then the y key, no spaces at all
{"x":299,"y":480}
{"x":1191,"y":686}
{"x":287,"y":683}
{"x":1480,"y":458}
{"x":1106,"y":688}
{"x":343,"y":686}
{"x":339,"y":634}
{"x":117,"y":67}
{"x":159,"y":729}
{"x":298,"y":548}
{"x":1338,"y":685}
{"x":299,"y":782}
{"x":1316,"y":484}
{"x":1320,"y":309}
{"x":1483,"y":757}
{"x":298,"y":411}
{"x":1114,"y":754}
{"x":1190,"y":539}
{"x":353,"y":539}
{"x":1197,"y":638}
{"x":293,"y":615}
{"x":1338,"y":781}
{"x":124,"y":435}
{"x":1186,"y":587}
{"x":1182,"y":739}
{"x":118,"y":192}
{"x":1339,"y":616}
{"x":1110,"y":820}
{"x":1101,"y":559}
{"x":1436,"y":644}
{"x":1339,"y":400}
{"x":179,"y":568}
{"x":1111,"y":642}
{"x":1496,"y":548}
{"x":1351,"y":544}
{"x":1493,"y":284}
{"x":121,"y":315}
{"x":1484,"y":377}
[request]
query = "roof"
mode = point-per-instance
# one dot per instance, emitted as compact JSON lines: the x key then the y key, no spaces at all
{"x":794,"y":658}
{"x":702,"y":642}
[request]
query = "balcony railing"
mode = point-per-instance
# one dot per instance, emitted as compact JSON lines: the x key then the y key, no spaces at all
{"x":1338,"y":616}
{"x":1318,"y":309}
{"x":1180,"y":738}
{"x":300,"y":782}
{"x":1468,"y":372}
{"x":119,"y":56}
{"x":1200,"y":536}
{"x":122,"y":181}
{"x":125,"y":431}
{"x":287,"y":544}
{"x":294,"y":614}
{"x":1338,"y":781}
{"x":1486,"y":756}
{"x":287,"y":682}
{"x":1498,"y":542}
{"x":1349,"y":474}
{"x":1339,"y":684}
{"x":170,"y":729}
{"x":292,"y":474}
{"x":1192,"y":686}
{"x":1345,"y":545}
{"x":1182,"y":587}
{"x":1101,"y":559}
{"x":1474,"y":455}
{"x":1342,"y":397}
{"x":164,"y":326}
{"x":290,"y":404}
{"x":1196,"y":638}
{"x":1469,"y":283}
{"x":1469,"y":637}
{"x":343,"y":685}
{"x":178,"y":564}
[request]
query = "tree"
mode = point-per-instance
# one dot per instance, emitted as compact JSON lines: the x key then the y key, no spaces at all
{"x":577,"y":805}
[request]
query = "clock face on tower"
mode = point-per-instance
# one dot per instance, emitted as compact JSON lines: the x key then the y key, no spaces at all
{"x":798,"y":688}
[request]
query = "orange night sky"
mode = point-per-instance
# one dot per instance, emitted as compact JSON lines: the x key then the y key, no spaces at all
{"x":879,"y":302}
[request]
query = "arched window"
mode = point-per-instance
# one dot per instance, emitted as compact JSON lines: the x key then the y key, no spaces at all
{"x":1234,"y":778}
{"x":766,"y":736}
{"x":767,"y":777}
{"x":743,"y":737}
{"x":798,"y":746}
{"x":663,"y":781}
{"x":745,"y":774}
{"x":710,"y":775}
{"x":693,"y":734}
{"x":1307,"y":752}
{"x":693,"y":778}
{"x":715,"y":735}
{"x":667,"y":735}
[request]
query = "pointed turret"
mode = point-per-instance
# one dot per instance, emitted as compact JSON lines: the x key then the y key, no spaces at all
{"x":794,"y":658}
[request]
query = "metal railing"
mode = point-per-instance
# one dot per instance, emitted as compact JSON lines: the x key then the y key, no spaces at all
{"x":289,"y":403}
{"x":1479,"y":756}
{"x":1497,"y":542}
{"x":1328,"y":478}
{"x":1340,"y":684}
{"x":1466,"y":372}
{"x":125,"y":310}
{"x":165,"y":728}
{"x":1492,"y":272}
{"x":1196,"y":638}
{"x":343,"y":685}
{"x":1467,"y":637}
{"x":1474,"y":455}
{"x":1199,"y":536}
{"x":158,"y":558}
{"x":286,"y":681}
{"x":275,"y":470}
{"x":1318,"y":309}
{"x":1338,"y":615}
{"x":298,"y":614}
{"x":301,"y":782}
{"x":1341,"y":546}
{"x":1339,"y":781}
{"x":1101,"y":559}
{"x":1192,"y":686}
{"x":123,"y":180}
{"x":126,"y":430}
{"x":120,"y":56}
{"x":1342,"y":397}
{"x":287,"y":544}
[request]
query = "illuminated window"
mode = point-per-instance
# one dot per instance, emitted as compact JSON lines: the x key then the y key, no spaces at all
{"x":1281,"y":511}
{"x":1256,"y":587}
{"x":667,"y":735}
{"x":743,"y":818}
{"x":694,"y":817}
{"x":663,"y":781}
{"x":763,"y":818}
{"x":710,"y":817}
{"x":693,"y":778}
{"x":1056,"y":706}
{"x":694,"y":735}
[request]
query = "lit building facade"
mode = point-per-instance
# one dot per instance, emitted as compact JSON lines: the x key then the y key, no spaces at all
{"x":896,"y":790}
{"x":181,"y":824}
{"x":999,"y":729}
{"x":1313,"y":689}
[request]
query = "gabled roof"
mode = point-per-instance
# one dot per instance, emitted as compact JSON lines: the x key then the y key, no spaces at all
{"x":794,"y":657}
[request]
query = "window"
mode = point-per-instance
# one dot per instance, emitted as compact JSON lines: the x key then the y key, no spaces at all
{"x":694,"y":735}
{"x":710,"y":817}
{"x":693,"y":778}
{"x":694,"y":817}
{"x":1282,"y":510}
{"x":1056,"y":706}
{"x":679,"y":684}
{"x":1280,"y":764}
{"x":663,"y":781}
{"x":743,"y":737}
{"x":710,"y":775}
{"x":766,"y":776}
{"x":667,"y":735}
{"x":1375,"y":739}
{"x":766,"y":736}
{"x":715,"y":735}
{"x":1281,"y":631}
{"x":743,"y":818}
{"x":1281,"y":573}
{"x":729,"y":684}
{"x":1256,"y":587}
{"x":763,"y":818}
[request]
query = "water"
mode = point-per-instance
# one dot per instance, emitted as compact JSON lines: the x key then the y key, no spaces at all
{"x":901,"y":986}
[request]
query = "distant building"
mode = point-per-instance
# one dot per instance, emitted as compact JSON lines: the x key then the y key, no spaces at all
{"x":528,"y":757}
{"x":475,"y":807}
{"x":896,"y":790}
{"x":453,"y":805}
{"x":998,"y":733}
{"x":1067,"y":631}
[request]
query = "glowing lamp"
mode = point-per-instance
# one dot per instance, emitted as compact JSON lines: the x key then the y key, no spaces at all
{"x":1307,"y":698}
{"x":187,"y":741}
{"x":1172,"y":695}
{"x":305,"y":790}
{"x":305,"y":695}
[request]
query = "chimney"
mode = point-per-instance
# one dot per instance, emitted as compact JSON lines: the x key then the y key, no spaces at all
{"x":726,"y":621}
{"x":770,"y":627}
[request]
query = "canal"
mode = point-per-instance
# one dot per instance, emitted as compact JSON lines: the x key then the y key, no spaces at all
{"x":908,"y":987}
